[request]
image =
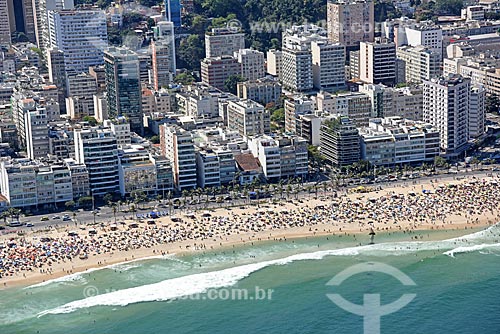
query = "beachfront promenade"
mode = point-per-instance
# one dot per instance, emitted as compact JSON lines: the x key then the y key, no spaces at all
{"x":49,"y":253}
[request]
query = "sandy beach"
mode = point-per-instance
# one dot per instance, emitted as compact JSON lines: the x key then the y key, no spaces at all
{"x":462,"y":204}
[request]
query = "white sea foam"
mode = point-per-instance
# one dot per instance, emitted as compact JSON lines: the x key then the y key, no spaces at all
{"x":469,"y":249}
{"x":123,"y":266}
{"x":199,"y":283}
{"x":486,"y":233}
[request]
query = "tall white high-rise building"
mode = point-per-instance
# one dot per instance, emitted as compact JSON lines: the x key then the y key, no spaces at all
{"x":41,"y":18}
{"x":161,"y":64}
{"x":426,"y":34}
{"x":420,"y":63}
{"x":82,"y":36}
{"x":164,"y":32}
{"x":4,"y":24}
{"x":297,"y":70}
{"x":350,"y":21}
{"x":37,"y":140}
{"x":248,"y":117}
{"x":252,"y":63}
{"x":377,"y":62}
{"x":328,"y":65}
{"x":446,"y":106}
{"x":178,"y":146}
{"x":223,"y":42}
{"x":98,"y":150}
{"x":477,"y":111}
{"x":274,"y":62}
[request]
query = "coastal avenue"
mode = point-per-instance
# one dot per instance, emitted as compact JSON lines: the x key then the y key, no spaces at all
{"x":105,"y":214}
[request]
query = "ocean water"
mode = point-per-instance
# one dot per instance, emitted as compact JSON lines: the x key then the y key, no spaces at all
{"x":277,"y":287}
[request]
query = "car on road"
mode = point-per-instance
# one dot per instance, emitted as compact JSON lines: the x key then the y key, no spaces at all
{"x":56,"y":217}
{"x":44,"y":218}
{"x":66,"y":218}
{"x":15,"y":224}
{"x":30,"y":225}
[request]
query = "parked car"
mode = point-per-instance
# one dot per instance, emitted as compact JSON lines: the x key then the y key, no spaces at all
{"x":44,"y":218}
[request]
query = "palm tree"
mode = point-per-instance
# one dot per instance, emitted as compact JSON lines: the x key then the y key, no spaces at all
{"x":133,"y":209}
{"x":14,"y":212}
{"x":185,"y":193}
{"x":113,"y":206}
{"x":4,"y":215}
{"x":288,"y":190}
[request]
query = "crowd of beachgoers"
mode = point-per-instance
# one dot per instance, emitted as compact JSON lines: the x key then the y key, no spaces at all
{"x":407,"y":208}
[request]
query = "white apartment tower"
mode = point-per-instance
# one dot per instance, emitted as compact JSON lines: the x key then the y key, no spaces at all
{"x":37,"y":140}
{"x":426,"y":34}
{"x":446,"y":106}
{"x":161,"y":64}
{"x":247,"y":117}
{"x":296,"y":106}
{"x":420,"y":63}
{"x":252,"y":63}
{"x":82,"y":36}
{"x":223,"y":42}
{"x":164,"y":32}
{"x":377,"y":62}
{"x":274,"y":62}
{"x":97,"y":149}
{"x":4,"y":24}
{"x":297,"y":70}
{"x":350,"y":21}
{"x":178,"y":147}
{"x":477,"y":111}
{"x":328,"y":65}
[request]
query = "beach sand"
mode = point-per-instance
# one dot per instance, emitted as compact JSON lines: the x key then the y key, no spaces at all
{"x":357,"y":223}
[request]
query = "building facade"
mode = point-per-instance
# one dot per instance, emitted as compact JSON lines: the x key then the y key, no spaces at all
{"x":446,"y":107}
{"x":124,"y":86}
{"x":350,"y":22}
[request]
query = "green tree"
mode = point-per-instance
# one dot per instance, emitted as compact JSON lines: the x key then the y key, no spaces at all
{"x":139,"y":196}
{"x":223,"y":8}
{"x":448,"y":7}
{"x":85,"y":201}
{"x":108,"y":198}
{"x":315,"y":157}
{"x":90,"y":119}
{"x":440,"y":162}
{"x":155,"y":139}
{"x":131,"y":19}
{"x":231,"y":83}
{"x":190,"y":51}
{"x":278,"y":119}
{"x":70,"y":205}
{"x":14,"y":213}
{"x":19,"y":37}
{"x":492,"y":104}
{"x":185,"y":78}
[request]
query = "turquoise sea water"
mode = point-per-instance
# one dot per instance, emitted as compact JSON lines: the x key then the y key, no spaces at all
{"x":457,"y":289}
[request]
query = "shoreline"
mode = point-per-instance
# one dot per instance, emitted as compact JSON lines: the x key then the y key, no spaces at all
{"x":99,"y":263}
{"x":292,"y":210}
